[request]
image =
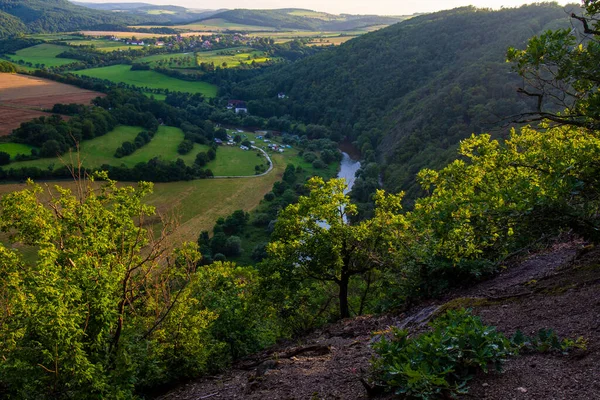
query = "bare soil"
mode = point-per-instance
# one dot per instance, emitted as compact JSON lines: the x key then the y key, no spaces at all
{"x":558,"y":289}
{"x":23,"y":98}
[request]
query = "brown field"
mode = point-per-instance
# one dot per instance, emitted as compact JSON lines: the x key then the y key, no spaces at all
{"x":23,"y":98}
{"x":125,"y":35}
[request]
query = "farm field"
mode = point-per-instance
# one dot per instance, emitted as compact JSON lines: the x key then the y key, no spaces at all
{"x":42,"y":54}
{"x":98,"y":151}
{"x":34,"y":92}
{"x":22,"y":98}
{"x":218,"y":25}
{"x":328,"y":41}
{"x":102,"y":45}
{"x":233,"y":57}
{"x":148,"y":79}
{"x":12,"y":117}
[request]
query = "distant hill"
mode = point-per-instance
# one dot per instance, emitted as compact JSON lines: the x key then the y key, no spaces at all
{"x":291,"y":18}
{"x":46,"y":16}
{"x":165,"y":14}
{"x":412,"y":91}
{"x":10,"y":25}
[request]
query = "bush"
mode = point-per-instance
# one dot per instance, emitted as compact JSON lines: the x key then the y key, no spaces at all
{"x":185,"y":147}
{"x":309,"y":157}
{"x":318,"y":164}
{"x":441,"y":362}
{"x":219,"y":257}
{"x":4,"y":158}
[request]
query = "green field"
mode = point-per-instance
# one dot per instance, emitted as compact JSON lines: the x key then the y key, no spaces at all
{"x":230,"y":161}
{"x":43,"y":54}
{"x":148,"y":79}
{"x":232,"y":56}
{"x":15,"y":148}
{"x":103,"y":45}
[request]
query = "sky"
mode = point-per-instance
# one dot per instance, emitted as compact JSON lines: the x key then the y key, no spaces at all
{"x":381,"y":7}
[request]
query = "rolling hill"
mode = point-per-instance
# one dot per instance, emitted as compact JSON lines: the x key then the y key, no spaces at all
{"x":158,"y":13}
{"x":407,"y":94}
{"x":47,"y":16}
{"x":299,"y":19}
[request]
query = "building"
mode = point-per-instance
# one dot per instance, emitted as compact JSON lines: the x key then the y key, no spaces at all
{"x":281,"y":95}
{"x":239,"y":106}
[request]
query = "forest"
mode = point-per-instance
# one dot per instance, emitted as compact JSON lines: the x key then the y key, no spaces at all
{"x":388,"y":94}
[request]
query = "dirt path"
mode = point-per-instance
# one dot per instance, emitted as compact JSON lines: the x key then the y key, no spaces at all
{"x":548,"y":290}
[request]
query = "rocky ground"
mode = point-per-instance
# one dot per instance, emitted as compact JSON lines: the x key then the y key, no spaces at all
{"x":558,"y":288}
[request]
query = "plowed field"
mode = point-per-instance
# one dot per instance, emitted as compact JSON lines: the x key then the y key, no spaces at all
{"x":23,"y":98}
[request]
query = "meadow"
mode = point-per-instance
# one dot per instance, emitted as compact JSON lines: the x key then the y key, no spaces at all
{"x":102,"y":45}
{"x":15,"y":148}
{"x":233,"y":57}
{"x":148,"y":79}
{"x":230,"y":161}
{"x":42,"y":54}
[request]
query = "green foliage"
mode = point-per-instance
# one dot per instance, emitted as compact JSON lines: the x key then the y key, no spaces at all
{"x":544,"y":341}
{"x":561,"y":70}
{"x":106,"y":311}
{"x":440,"y":362}
{"x":447,"y":79}
{"x":54,"y":16}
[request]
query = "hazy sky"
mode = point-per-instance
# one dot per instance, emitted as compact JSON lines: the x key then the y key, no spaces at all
{"x":382,"y":7}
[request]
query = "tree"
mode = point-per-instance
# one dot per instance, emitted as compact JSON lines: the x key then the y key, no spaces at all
{"x":70,"y":321}
{"x":313,"y":240}
{"x":4,"y":158}
{"x":561,"y":71}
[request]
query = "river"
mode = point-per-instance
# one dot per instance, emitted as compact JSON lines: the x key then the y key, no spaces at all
{"x":348,"y":170}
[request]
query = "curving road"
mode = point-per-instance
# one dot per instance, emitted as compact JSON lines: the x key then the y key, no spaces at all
{"x":251,"y":176}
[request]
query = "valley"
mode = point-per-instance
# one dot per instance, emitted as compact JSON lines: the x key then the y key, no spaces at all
{"x":292,"y":203}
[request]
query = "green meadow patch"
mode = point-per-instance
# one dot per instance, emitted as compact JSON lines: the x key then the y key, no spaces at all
{"x":148,"y":79}
{"x":15,"y":148}
{"x":230,"y":161}
{"x":42,"y":55}
{"x":229,"y":58}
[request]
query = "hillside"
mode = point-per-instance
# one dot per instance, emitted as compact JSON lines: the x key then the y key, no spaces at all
{"x":157,"y":13}
{"x":554,"y":289}
{"x":10,"y":25}
{"x":302,"y":19}
{"x":410,"y":91}
{"x":47,"y":16}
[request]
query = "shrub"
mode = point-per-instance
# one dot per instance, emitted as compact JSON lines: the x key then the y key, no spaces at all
{"x":4,"y":158}
{"x":309,"y":157}
{"x":440,"y":362}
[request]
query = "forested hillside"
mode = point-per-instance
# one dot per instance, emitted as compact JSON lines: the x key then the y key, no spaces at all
{"x":40,"y":16}
{"x":410,"y":92}
{"x":158,"y":13}
{"x":303,"y":19}
{"x":10,"y":25}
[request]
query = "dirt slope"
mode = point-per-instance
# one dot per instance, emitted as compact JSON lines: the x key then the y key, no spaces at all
{"x":557,"y":289}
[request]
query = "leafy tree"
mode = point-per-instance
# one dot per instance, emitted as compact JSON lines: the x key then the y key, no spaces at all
{"x":70,"y":321}
{"x":313,"y":240}
{"x":562,"y":72}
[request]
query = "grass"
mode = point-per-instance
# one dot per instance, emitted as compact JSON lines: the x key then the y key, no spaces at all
{"x":230,"y":161}
{"x":196,"y":205}
{"x":148,"y":79}
{"x":103,"y":45}
{"x":15,"y":148}
{"x":43,"y":54}
{"x":233,"y":57}
{"x":233,"y":161}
